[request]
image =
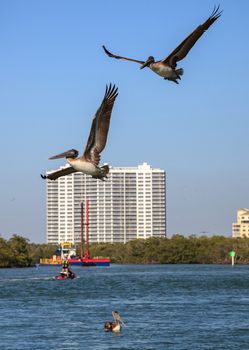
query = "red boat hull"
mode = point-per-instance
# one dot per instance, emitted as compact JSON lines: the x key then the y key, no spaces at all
{"x":60,"y":277}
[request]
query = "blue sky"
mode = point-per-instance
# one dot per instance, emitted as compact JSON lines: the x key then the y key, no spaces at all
{"x":53,"y":76}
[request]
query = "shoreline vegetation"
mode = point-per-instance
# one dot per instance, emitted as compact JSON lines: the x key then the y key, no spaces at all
{"x":19,"y":252}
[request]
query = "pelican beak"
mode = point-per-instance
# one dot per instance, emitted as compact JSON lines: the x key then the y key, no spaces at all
{"x":147,"y":63}
{"x":67,"y":154}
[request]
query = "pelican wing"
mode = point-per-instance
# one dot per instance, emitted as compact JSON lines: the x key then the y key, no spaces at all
{"x":117,"y":317}
{"x":59,"y":173}
{"x":186,"y":45}
{"x":121,"y":57}
{"x":100,"y":126}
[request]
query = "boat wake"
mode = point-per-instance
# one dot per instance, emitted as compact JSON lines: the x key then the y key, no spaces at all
{"x":47,"y":278}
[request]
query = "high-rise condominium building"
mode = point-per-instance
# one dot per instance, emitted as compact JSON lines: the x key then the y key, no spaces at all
{"x":130,"y":204}
{"x":241,"y":227}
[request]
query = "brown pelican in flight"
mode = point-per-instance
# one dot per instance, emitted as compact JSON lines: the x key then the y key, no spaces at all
{"x":115,"y":326}
{"x":88,"y":162}
{"x":167,"y":66}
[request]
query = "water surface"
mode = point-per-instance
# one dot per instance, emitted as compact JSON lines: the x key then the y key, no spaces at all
{"x":176,"y":307}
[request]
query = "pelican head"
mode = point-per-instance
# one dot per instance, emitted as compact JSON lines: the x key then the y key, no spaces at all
{"x":149,"y":60}
{"x":72,"y":153}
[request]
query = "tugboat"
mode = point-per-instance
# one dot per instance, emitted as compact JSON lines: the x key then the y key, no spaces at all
{"x":66,"y":251}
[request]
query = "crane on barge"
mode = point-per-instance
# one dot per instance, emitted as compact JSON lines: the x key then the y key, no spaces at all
{"x":85,"y":253}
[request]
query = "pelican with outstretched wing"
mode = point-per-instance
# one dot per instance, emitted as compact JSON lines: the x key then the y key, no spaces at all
{"x":88,"y":162}
{"x":115,"y":326}
{"x":117,"y":317}
{"x":167,"y":66}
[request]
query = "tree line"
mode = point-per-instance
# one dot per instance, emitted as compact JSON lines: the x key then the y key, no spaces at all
{"x":19,"y":252}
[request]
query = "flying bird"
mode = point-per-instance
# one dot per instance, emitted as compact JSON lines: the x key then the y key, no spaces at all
{"x":88,"y":162}
{"x":167,"y":66}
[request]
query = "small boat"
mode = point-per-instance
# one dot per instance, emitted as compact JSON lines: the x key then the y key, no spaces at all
{"x":71,"y":276}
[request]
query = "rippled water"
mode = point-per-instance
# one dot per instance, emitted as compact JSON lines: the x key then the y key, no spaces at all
{"x":164,"y":307}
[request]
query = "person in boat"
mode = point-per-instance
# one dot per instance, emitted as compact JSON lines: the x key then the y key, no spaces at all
{"x":115,"y":326}
{"x":66,"y":271}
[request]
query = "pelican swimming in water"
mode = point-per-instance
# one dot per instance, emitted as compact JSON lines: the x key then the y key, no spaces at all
{"x":167,"y":66}
{"x":88,"y":162}
{"x":115,"y":326}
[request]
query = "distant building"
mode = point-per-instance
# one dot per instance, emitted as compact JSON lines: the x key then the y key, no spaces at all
{"x":241,"y":227}
{"x":130,"y":204}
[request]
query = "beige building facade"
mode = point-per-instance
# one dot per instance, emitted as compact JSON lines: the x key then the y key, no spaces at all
{"x":241,"y":227}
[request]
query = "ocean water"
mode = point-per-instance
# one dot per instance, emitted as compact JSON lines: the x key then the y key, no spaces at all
{"x":164,"y":307}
